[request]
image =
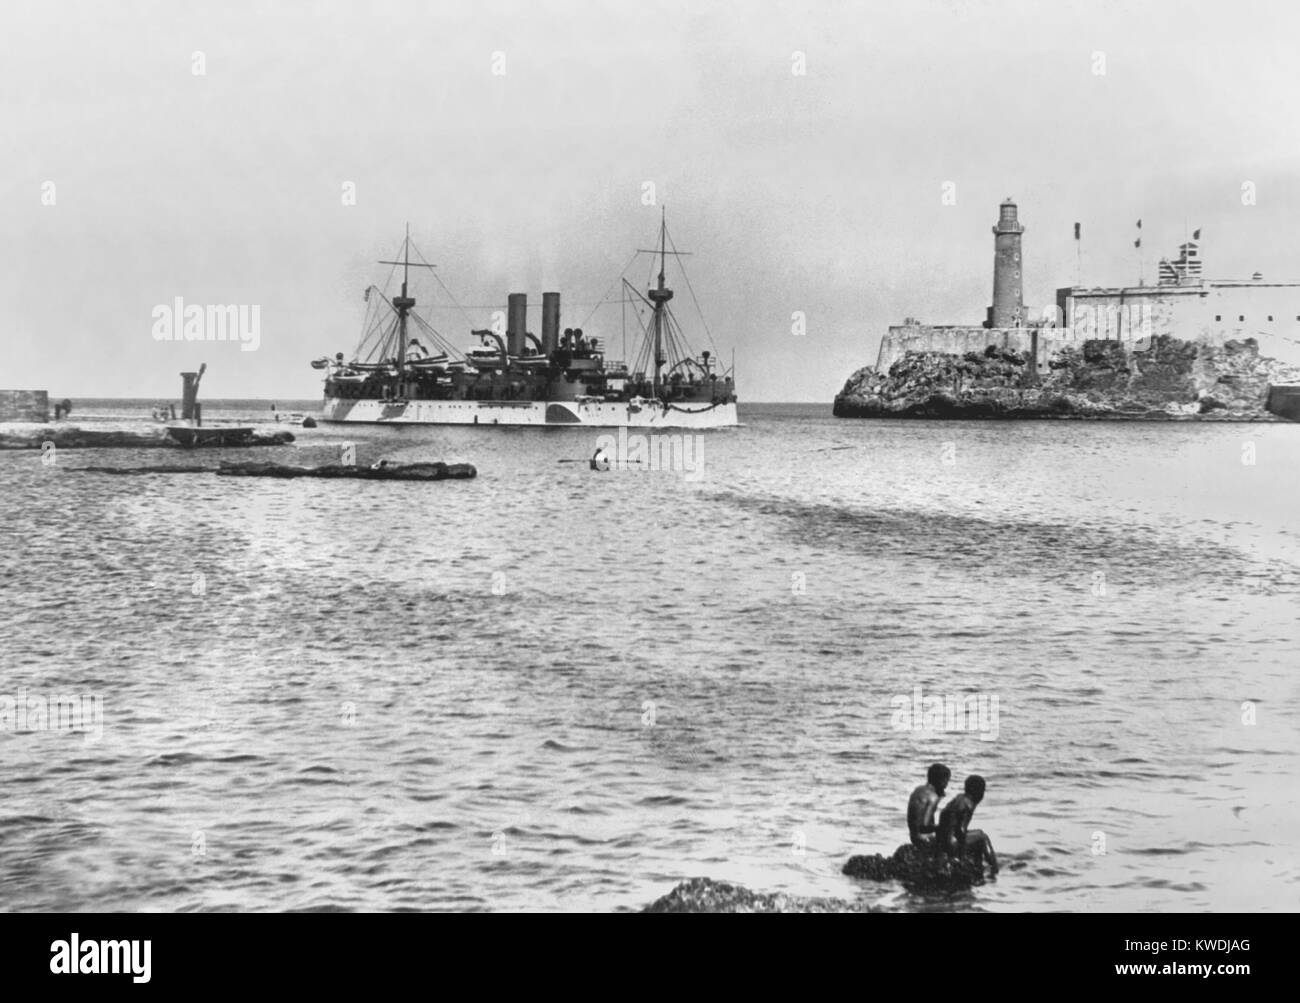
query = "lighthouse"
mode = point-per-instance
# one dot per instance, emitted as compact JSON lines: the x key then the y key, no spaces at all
{"x":1008,"y":309}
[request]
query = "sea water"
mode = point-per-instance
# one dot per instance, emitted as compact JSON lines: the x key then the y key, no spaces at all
{"x":552,"y":688}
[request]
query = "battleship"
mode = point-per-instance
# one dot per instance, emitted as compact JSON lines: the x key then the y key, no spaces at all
{"x":404,"y":371}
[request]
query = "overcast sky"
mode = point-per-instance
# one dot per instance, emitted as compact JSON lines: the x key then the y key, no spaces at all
{"x":819,"y":192}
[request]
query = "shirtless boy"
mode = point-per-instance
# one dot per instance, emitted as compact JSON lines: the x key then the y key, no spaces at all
{"x":922,"y":805}
{"x":955,"y":837}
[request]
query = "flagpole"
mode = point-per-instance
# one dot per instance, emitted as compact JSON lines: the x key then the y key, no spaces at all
{"x":1137,"y":245}
{"x":1078,"y":253}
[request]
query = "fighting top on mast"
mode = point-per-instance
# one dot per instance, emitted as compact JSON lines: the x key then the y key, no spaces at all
{"x":661,"y":294}
{"x":403,"y":304}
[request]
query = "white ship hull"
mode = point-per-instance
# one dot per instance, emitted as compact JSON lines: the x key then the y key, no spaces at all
{"x":600,"y":414}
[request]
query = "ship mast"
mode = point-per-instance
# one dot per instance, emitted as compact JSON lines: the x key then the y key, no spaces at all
{"x":660,"y":297}
{"x":403,"y":304}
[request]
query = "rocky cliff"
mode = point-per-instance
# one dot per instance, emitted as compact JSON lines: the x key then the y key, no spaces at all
{"x":1171,"y":379}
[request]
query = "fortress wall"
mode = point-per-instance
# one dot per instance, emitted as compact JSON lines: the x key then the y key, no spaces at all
{"x":1211,"y":314}
{"x":1098,"y":324}
{"x":948,"y":340}
{"x":1127,"y":320}
{"x":24,"y":405}
{"x":960,"y":340}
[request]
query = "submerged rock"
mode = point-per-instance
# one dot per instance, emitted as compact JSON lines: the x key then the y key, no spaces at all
{"x":707,"y":895}
{"x":915,"y":868}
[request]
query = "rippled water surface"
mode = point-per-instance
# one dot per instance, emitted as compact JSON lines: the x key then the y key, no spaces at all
{"x":554,"y":689}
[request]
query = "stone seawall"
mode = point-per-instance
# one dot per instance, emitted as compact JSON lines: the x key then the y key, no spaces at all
{"x":24,"y":405}
{"x":1167,"y":378}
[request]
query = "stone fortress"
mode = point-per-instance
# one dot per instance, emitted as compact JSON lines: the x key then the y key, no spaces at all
{"x":1187,"y":347}
{"x":1182,"y":305}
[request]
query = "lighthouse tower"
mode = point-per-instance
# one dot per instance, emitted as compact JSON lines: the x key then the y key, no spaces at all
{"x":1008,"y":309}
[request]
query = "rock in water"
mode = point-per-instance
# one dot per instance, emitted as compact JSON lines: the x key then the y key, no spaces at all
{"x":871,"y":866}
{"x":707,"y":895}
{"x":915,"y":868}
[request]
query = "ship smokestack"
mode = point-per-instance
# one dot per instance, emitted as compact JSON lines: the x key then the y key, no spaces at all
{"x":516,"y":323}
{"x":550,"y":322}
{"x":1008,"y":309}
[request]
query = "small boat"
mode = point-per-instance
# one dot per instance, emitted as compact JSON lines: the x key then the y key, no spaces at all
{"x":191,"y":436}
{"x":431,"y":362}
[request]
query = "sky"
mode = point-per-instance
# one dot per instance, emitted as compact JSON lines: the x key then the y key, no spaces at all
{"x":518,"y":140}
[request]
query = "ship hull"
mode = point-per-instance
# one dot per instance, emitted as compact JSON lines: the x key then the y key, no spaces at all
{"x":555,"y":414}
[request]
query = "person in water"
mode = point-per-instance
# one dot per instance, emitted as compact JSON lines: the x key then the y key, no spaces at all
{"x":923,"y":803}
{"x":600,"y":460}
{"x":956,"y":838}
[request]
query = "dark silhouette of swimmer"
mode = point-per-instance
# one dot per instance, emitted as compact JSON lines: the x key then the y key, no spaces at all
{"x":923,"y":803}
{"x":955,"y":837}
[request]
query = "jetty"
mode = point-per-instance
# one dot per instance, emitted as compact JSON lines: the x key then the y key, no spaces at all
{"x":381,"y":472}
{"x":119,"y":435}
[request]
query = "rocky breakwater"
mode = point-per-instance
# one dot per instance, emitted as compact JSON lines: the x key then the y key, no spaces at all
{"x":1170,"y":379}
